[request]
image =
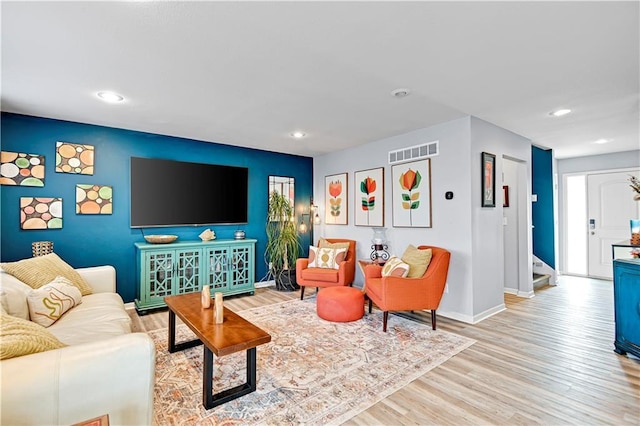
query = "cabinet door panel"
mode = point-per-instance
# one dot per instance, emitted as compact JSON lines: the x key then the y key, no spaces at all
{"x":241,"y":267}
{"x":160,"y":274}
{"x":217,"y":268}
{"x":187,"y":271}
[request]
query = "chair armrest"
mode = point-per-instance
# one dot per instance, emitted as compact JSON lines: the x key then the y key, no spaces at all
{"x":102,"y":279}
{"x":301,"y":264}
{"x":347,"y":271}
{"x":114,"y":376}
{"x":372,"y":271}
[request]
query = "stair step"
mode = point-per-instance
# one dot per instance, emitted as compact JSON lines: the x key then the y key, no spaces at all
{"x":540,"y":280}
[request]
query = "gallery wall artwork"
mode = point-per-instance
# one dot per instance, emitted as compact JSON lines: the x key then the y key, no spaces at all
{"x":94,"y":199}
{"x":411,"y":196}
{"x":17,"y":168}
{"x":488,"y":180}
{"x":336,"y":199}
{"x":74,"y":158}
{"x":40,"y":213}
{"x":369,"y":197}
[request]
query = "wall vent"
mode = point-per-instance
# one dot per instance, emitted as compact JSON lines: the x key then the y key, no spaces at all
{"x":416,"y":152}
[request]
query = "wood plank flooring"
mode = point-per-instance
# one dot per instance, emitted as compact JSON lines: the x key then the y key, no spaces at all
{"x":547,"y":360}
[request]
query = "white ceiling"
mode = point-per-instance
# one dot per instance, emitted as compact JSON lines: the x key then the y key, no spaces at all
{"x":250,"y":73}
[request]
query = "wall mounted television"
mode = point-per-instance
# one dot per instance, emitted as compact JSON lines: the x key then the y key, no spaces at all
{"x":177,"y":193}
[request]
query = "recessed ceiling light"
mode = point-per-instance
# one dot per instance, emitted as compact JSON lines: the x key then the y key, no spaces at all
{"x":298,"y":135}
{"x":601,"y":141}
{"x":400,"y":93}
{"x":110,"y":97}
{"x":560,"y":112}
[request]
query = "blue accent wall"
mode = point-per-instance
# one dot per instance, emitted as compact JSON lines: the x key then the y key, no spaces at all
{"x":92,"y":240}
{"x":542,"y":210}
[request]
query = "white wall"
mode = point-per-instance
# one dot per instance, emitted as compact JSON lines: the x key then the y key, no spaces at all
{"x":475,"y":286}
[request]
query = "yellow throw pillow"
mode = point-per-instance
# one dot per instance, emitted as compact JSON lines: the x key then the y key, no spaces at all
{"x":418,"y":261}
{"x":326,"y":258}
{"x":49,"y":302}
{"x":41,"y":270}
{"x":21,"y":337}
{"x":395,"y":267}
{"x":326,"y":244}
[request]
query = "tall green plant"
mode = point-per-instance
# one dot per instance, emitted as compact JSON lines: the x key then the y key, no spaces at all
{"x":283,"y":245}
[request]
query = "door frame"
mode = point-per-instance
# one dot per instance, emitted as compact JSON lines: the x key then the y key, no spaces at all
{"x":565,"y":218}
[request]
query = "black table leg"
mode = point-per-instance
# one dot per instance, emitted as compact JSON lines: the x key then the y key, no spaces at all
{"x":210,"y":400}
{"x":173,"y":346}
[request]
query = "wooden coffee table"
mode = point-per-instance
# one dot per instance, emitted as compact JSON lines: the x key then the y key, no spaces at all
{"x":233,"y":335}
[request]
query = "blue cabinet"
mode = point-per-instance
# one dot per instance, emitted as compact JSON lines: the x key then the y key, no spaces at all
{"x":227,"y":266}
{"x":626,"y":293}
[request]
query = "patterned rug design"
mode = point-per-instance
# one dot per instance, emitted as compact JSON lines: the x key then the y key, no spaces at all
{"x":313,"y":372}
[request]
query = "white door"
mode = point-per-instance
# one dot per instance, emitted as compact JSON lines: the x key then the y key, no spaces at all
{"x":610,"y":207}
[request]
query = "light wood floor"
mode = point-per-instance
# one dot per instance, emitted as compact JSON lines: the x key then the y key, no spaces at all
{"x":546,"y":360}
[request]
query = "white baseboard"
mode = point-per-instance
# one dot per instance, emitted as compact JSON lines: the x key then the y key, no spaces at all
{"x":263,"y":284}
{"x":526,"y":294}
{"x":475,"y":318}
{"x":130,"y":305}
{"x":513,"y":291}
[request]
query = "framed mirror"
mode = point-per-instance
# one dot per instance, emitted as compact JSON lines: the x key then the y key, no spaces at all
{"x":283,"y":185}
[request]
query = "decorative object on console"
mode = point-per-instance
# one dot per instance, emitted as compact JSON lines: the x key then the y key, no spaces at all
{"x":160,"y":239}
{"x":369,"y":203}
{"x":411,"y":195}
{"x":207,"y":235}
{"x":488,"y":180}
{"x":635,"y":185}
{"x":40,"y":213}
{"x":94,"y":199}
{"x":379,"y":247}
{"x":218,"y":308}
{"x":40,"y":248}
{"x":239,"y":235}
{"x":337,"y":200}
{"x":74,"y":158}
{"x":17,"y":168}
{"x":206,"y":297}
{"x":635,"y":231}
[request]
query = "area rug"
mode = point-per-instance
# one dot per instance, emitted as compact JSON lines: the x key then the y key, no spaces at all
{"x":313,"y":372}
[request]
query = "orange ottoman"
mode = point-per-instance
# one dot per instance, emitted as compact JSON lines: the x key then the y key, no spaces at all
{"x":340,"y":304}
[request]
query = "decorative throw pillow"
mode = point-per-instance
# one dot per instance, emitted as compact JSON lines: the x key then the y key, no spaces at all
{"x":21,"y":337}
{"x":395,"y":268}
{"x":418,"y":261}
{"x":327,"y":258}
{"x":41,"y":270}
{"x":326,"y":244}
{"x":49,"y":302}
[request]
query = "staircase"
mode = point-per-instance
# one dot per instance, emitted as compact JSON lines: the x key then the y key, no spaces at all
{"x":540,"y":280}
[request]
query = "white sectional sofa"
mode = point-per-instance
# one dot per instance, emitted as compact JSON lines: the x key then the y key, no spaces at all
{"x":105,"y":369}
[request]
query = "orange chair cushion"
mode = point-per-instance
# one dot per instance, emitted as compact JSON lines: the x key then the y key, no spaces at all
{"x":340,"y":304}
{"x":320,"y":274}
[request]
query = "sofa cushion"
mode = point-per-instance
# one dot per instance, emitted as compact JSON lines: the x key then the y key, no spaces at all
{"x":98,"y":317}
{"x":49,"y":302}
{"x":320,"y":274}
{"x":418,"y":261}
{"x":22,"y":337}
{"x":41,"y":270}
{"x":13,"y":296}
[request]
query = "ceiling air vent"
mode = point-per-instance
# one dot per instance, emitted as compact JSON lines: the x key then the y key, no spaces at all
{"x":414,"y":152}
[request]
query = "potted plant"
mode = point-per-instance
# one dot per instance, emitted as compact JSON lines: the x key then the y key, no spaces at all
{"x":283,"y":245}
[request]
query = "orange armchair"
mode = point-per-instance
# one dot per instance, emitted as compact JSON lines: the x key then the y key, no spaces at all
{"x":407,"y":294}
{"x":321,"y":277}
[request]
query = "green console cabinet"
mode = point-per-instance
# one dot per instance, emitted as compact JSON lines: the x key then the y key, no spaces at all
{"x":626,"y":293}
{"x":227,"y":266}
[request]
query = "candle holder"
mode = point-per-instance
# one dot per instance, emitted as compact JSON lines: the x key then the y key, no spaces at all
{"x":379,"y":247}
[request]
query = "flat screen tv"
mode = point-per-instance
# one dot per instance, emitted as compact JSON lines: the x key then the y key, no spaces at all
{"x":178,"y":193}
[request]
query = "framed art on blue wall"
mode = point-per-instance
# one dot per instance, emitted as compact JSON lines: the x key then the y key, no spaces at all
{"x":488,"y":180}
